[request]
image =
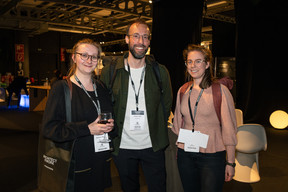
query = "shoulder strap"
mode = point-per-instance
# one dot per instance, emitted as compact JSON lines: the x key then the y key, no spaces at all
{"x":112,"y":72}
{"x":226,"y":81}
{"x":217,"y":96}
{"x":184,"y":88}
{"x":68,"y":98}
{"x":217,"y":99}
{"x":217,"y":93}
{"x":156,"y":70}
{"x":112,"y":77}
{"x":158,"y":76}
{"x":99,"y":82}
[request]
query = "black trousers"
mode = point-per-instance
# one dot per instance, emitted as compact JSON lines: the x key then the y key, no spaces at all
{"x":202,"y":172}
{"x":153,"y":165}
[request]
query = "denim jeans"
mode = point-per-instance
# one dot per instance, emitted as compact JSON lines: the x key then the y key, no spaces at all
{"x":201,"y":172}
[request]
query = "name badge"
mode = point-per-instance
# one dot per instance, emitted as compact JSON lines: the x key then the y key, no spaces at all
{"x":188,"y":147}
{"x":192,"y":140}
{"x":137,"y":120}
{"x":99,"y":147}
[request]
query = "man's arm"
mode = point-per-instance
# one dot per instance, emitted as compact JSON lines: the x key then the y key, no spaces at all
{"x":167,"y":90}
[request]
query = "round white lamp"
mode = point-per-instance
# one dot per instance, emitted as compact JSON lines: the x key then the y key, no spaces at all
{"x":279,"y":119}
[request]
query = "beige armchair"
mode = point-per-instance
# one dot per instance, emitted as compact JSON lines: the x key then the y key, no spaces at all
{"x":251,"y":140}
{"x":239,"y":117}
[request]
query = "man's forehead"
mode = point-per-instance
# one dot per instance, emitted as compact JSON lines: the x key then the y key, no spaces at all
{"x":137,"y":26}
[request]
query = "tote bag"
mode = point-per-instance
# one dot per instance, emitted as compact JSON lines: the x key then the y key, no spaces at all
{"x":54,"y":158}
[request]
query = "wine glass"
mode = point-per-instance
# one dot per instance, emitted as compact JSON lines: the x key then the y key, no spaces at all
{"x":103,"y":120}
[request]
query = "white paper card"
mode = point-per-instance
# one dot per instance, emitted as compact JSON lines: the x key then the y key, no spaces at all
{"x":192,"y":140}
{"x":100,"y":146}
{"x":184,"y":135}
{"x":137,"y":120}
{"x":203,"y":140}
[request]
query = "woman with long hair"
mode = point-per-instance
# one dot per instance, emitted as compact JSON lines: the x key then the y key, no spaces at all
{"x":206,"y":142}
{"x":90,"y":163}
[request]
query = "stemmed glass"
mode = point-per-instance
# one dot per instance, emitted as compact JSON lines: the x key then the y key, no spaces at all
{"x":103,"y":120}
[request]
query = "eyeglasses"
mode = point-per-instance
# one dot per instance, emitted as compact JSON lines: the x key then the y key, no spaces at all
{"x":85,"y":57}
{"x":136,"y":36}
{"x":196,"y":62}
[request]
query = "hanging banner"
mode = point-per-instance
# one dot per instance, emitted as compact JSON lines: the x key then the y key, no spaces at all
{"x":62,"y":54}
{"x":19,"y":52}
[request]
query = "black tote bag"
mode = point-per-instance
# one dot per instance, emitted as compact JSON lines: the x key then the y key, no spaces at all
{"x":54,"y":159}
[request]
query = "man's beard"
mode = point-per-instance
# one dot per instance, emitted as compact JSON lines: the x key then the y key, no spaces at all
{"x":136,"y":55}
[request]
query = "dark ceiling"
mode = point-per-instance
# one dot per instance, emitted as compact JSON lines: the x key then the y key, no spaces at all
{"x":93,"y":17}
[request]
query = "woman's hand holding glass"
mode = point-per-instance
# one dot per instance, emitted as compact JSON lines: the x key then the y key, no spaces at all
{"x":98,"y":128}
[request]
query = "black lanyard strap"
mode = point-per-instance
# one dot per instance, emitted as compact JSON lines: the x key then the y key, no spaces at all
{"x":133,"y":85}
{"x":98,"y":107}
{"x":196,"y":105}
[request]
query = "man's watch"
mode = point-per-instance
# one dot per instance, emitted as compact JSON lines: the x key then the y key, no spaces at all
{"x":231,"y":164}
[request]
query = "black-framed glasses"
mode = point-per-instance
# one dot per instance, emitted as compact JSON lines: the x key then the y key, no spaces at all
{"x":136,"y":36}
{"x":196,"y":62}
{"x":85,"y":56}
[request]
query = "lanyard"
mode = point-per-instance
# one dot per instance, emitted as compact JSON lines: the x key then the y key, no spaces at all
{"x":98,"y":108}
{"x":132,"y":82}
{"x":195,"y":108}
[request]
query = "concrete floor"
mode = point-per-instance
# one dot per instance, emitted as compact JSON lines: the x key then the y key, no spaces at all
{"x":18,"y":157}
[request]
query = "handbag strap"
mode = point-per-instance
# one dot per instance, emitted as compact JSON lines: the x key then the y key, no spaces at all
{"x":68,"y":98}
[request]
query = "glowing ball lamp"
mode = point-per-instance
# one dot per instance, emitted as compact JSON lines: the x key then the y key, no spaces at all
{"x":279,"y":119}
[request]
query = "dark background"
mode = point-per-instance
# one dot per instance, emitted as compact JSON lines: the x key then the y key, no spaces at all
{"x":257,"y":41}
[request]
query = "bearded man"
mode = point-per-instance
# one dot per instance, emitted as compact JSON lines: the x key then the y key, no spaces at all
{"x":141,"y":112}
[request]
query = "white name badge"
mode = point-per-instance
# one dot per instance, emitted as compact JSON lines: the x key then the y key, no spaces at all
{"x":100,"y":146}
{"x":188,"y":147}
{"x":137,"y":120}
{"x":191,"y":139}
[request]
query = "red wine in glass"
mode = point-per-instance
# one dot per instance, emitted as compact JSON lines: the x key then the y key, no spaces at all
{"x":103,"y":120}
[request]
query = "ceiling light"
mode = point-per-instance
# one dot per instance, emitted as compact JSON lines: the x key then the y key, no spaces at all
{"x":216,"y":3}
